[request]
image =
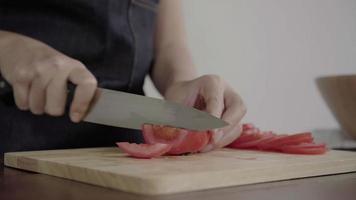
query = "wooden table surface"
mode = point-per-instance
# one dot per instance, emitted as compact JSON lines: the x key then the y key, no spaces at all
{"x":17,"y":184}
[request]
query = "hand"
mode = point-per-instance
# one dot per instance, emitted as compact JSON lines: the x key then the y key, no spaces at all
{"x":211,"y":94}
{"x":39,"y":74}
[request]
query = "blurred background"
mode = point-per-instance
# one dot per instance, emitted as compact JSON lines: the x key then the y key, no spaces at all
{"x":271,"y":52}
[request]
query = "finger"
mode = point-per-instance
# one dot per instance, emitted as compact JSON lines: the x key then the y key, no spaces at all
{"x":84,"y":92}
{"x":21,"y":83}
{"x":21,"y":95}
{"x":221,"y":139}
{"x":56,"y":93}
{"x":234,"y":111}
{"x":216,"y":135}
{"x":37,"y":95}
{"x":191,"y":97}
{"x":213,"y":94}
{"x":229,"y":136}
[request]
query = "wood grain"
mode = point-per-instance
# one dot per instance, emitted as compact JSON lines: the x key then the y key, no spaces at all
{"x":111,"y":168}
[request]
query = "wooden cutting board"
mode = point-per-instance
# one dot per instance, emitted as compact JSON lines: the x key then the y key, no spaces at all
{"x":111,"y":168}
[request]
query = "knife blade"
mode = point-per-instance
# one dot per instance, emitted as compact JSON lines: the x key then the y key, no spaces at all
{"x":121,"y":109}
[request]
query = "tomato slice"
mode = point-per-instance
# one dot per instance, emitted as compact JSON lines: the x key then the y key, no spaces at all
{"x":300,"y":143}
{"x":244,"y":138}
{"x":181,"y":140}
{"x":175,"y":141}
{"x":194,"y":142}
{"x":144,"y":150}
{"x":305,"y":149}
{"x":153,"y":134}
{"x":269,"y":144}
{"x":283,"y":140}
{"x":255,"y":143}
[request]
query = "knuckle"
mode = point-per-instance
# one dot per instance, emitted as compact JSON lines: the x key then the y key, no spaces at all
{"x":22,"y":76}
{"x":213,"y":100}
{"x":40,"y":70}
{"x":213,"y":78}
{"x":61,"y":68}
{"x":77,"y":63}
{"x":55,"y":63}
{"x":90,"y":81}
{"x":243,"y":108}
{"x":240,"y":105}
{"x":57,"y":60}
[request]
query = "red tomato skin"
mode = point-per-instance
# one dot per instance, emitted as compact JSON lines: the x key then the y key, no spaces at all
{"x":305,"y":149}
{"x":247,"y":126}
{"x":193,"y":143}
{"x":283,"y":140}
{"x":244,"y":138}
{"x":300,"y":143}
{"x":150,"y":138}
{"x":144,"y":150}
{"x":182,"y":141}
{"x":254,"y":144}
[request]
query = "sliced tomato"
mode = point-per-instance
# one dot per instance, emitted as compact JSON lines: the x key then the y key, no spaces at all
{"x":144,"y":150}
{"x":283,"y":140}
{"x":244,"y":138}
{"x":255,"y":143}
{"x":252,"y":131}
{"x":193,"y":143}
{"x":153,"y":134}
{"x":305,"y":149}
{"x":181,"y":140}
{"x":300,"y":143}
{"x":270,"y":144}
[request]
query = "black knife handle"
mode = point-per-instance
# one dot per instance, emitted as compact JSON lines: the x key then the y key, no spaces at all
{"x":7,"y":96}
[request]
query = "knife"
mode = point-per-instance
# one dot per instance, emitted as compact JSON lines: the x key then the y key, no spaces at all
{"x":121,"y":109}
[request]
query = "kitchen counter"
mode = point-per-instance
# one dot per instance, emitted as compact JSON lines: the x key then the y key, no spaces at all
{"x":17,"y":184}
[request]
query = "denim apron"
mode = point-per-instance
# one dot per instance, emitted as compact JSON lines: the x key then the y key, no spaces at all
{"x":113,"y":38}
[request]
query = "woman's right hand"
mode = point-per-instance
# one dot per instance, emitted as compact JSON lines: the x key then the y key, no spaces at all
{"x":39,"y":74}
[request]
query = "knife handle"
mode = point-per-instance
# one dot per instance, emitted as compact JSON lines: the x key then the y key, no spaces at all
{"x":70,"y":94}
{"x":7,"y":96}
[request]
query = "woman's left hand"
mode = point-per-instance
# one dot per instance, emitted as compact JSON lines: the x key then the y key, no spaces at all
{"x":212,"y":94}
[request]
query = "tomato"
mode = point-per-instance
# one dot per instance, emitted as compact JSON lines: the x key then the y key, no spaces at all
{"x":305,"y":148}
{"x":244,"y":138}
{"x":144,"y":150}
{"x":300,"y":143}
{"x":269,"y":144}
{"x":282,"y":140}
{"x":181,"y":140}
{"x":247,"y":126}
{"x":192,"y":143}
{"x":153,"y":134}
{"x":161,"y":140}
{"x":256,"y":143}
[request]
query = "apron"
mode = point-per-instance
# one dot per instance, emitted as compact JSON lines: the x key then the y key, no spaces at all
{"x":113,"y":38}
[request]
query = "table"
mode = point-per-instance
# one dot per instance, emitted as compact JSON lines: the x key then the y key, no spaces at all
{"x":17,"y":184}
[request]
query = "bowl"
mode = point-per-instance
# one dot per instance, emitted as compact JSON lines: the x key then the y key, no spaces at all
{"x":339,"y":92}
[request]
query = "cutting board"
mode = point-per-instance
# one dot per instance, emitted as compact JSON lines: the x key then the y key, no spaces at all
{"x":111,"y":168}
